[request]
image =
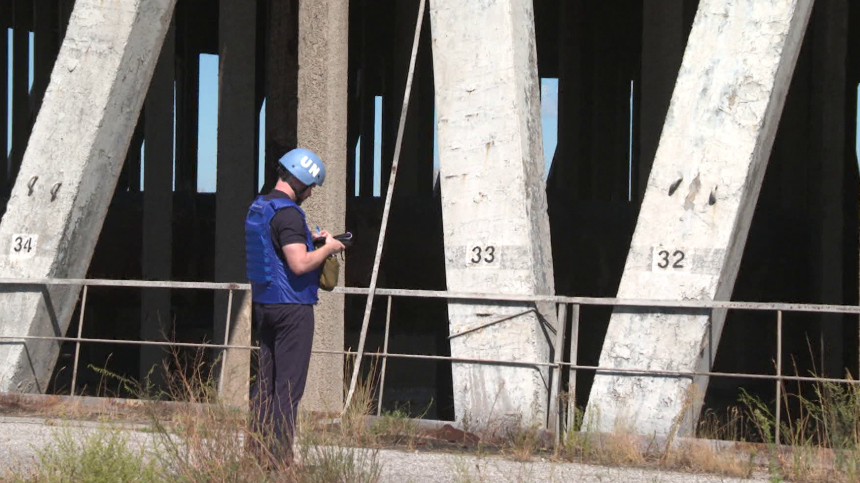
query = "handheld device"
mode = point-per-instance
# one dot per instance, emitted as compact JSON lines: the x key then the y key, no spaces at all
{"x":345,"y":238}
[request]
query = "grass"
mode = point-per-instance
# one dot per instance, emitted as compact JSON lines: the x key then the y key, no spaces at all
{"x":819,"y":433}
{"x":209,"y":441}
{"x":103,"y":455}
{"x":205,"y":441}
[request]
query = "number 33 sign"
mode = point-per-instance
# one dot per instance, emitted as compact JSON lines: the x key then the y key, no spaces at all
{"x":481,"y":255}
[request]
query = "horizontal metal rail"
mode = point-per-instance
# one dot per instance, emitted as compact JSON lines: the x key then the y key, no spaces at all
{"x":467,"y":360}
{"x":490,"y":297}
{"x":693,"y":306}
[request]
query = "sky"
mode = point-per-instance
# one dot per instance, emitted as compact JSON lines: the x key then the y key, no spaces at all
{"x":208,"y":123}
{"x":209,"y":114}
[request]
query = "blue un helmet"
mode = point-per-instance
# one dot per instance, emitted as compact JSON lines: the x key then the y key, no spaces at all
{"x":305,"y":166}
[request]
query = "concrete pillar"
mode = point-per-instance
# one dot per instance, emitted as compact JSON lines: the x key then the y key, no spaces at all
{"x":5,"y":16}
{"x":20,"y":97}
{"x":130,"y":176}
{"x":281,"y":84}
{"x":664,"y":36}
{"x":322,"y":115}
{"x":415,"y":171}
{"x":157,"y":246}
{"x":573,"y":141}
{"x":187,"y":101}
{"x":45,"y":49}
{"x":829,"y":27}
{"x":236,"y":183}
{"x":370,"y":85}
{"x":493,"y":201}
{"x":695,"y":216}
{"x":79,"y":142}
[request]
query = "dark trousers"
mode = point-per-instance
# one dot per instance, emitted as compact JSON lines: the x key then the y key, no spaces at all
{"x":286,"y":334}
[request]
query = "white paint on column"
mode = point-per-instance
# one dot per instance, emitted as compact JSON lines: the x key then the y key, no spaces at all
{"x":698,"y":204}
{"x":69,"y":172}
{"x":494,"y":206}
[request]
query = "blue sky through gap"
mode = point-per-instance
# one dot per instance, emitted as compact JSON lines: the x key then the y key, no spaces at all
{"x":208,"y":124}
{"x":9,"y":59}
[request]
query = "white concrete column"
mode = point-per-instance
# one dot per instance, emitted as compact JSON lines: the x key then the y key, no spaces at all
{"x":79,"y":142}
{"x":698,"y":205}
{"x":493,"y":201}
{"x":323,"y":76}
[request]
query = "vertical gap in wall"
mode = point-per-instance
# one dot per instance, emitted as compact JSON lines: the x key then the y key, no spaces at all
{"x":9,"y":70}
{"x":377,"y":146}
{"x":857,"y":127}
{"x":357,"y":166}
{"x":31,"y":52}
{"x":207,"y":128}
{"x":173,"y":171}
{"x":261,"y":151}
{"x":630,"y":148}
{"x":435,"y":150}
{"x":549,"y":120}
{"x":142,"y":160}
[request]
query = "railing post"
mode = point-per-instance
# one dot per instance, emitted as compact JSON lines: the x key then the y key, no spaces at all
{"x":778,"y":373}
{"x":384,"y":357}
{"x":226,"y":341}
{"x":556,"y":411}
{"x":571,"y":386}
{"x":78,"y":342}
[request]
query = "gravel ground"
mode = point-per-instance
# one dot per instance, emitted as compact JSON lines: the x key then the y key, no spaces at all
{"x":19,"y":438}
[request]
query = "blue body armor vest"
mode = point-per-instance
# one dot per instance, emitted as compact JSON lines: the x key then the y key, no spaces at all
{"x":272,"y":281}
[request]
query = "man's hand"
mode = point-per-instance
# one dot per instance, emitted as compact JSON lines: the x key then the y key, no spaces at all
{"x":332,"y":245}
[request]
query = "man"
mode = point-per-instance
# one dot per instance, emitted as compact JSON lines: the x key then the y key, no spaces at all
{"x":283,"y":268}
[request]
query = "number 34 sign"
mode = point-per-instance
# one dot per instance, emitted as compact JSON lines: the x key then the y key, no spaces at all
{"x":23,"y":245}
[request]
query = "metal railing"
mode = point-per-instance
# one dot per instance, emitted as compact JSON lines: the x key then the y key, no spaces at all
{"x":564,"y":303}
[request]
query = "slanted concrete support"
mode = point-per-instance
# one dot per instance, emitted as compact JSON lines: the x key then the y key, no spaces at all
{"x":79,"y":143}
{"x":236,"y":183}
{"x":698,"y":205}
{"x":494,"y":206}
{"x":322,"y":116}
{"x":157,"y":257}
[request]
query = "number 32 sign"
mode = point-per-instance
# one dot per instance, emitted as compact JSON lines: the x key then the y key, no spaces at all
{"x":665,"y":259}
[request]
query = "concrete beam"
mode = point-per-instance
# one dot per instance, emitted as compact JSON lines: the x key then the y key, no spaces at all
{"x":79,"y":143}
{"x":157,"y":245}
{"x":21,"y":120}
{"x":4,"y":106}
{"x":322,"y":124}
{"x":697,"y":209}
{"x":236,"y":180}
{"x":282,"y":65}
{"x":494,"y":205}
